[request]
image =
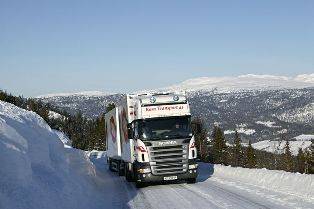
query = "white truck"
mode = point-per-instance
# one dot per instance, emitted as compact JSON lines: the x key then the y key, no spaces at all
{"x":149,"y":139}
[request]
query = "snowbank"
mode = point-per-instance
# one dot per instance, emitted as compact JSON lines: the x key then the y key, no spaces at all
{"x":36,"y":171}
{"x":64,"y":139}
{"x":293,"y":183}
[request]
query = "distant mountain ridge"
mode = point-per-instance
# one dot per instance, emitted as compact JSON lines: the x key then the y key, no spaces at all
{"x":83,"y":93}
{"x":260,"y":107}
{"x":219,"y":84}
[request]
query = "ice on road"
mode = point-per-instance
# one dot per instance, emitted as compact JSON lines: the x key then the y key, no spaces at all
{"x":209,"y":192}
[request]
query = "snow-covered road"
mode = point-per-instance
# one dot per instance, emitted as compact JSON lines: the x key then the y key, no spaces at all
{"x":209,"y":192}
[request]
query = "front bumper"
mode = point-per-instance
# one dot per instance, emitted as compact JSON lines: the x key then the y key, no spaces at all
{"x":149,"y":177}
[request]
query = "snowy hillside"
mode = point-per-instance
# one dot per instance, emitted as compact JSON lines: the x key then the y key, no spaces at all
{"x":36,"y":170}
{"x":257,"y":115}
{"x":90,"y":104}
{"x":243,"y":82}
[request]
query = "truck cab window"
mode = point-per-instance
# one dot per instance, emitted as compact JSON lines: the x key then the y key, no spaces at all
{"x":165,"y":128}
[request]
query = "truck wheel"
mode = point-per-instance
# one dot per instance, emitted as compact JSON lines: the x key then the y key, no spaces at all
{"x":191,"y":181}
{"x":120,"y":168}
{"x":110,"y":165}
{"x":128,"y":174}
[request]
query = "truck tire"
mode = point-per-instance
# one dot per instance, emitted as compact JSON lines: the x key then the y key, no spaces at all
{"x":110,"y":165}
{"x":120,"y":168}
{"x":191,"y":181}
{"x":128,"y":174}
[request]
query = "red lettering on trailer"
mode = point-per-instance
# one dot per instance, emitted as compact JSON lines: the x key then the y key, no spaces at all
{"x":148,"y":109}
{"x":162,"y":108}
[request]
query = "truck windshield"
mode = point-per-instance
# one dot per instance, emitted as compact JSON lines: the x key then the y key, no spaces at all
{"x":165,"y":128}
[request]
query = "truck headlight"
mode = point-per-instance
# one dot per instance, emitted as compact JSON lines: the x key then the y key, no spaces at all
{"x":192,"y":166}
{"x":144,"y":170}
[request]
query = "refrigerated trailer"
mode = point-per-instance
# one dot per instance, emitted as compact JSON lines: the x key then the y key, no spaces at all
{"x":149,"y":139}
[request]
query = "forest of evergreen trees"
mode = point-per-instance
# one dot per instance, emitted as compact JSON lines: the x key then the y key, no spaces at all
{"x":88,"y":134}
{"x":237,"y":155}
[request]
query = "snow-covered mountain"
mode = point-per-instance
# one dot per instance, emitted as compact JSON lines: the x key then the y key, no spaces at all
{"x":243,"y":83}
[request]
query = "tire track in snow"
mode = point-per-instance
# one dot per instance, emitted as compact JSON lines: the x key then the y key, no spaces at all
{"x":234,"y":200}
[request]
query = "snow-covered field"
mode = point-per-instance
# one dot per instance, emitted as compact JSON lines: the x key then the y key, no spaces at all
{"x":304,"y":137}
{"x":38,"y":172}
{"x":269,"y":124}
{"x":279,"y":146}
{"x":242,"y":129}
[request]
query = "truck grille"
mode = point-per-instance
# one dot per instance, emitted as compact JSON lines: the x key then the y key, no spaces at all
{"x":168,"y":159}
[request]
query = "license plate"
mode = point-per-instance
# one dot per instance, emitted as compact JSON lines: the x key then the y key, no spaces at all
{"x":168,"y":178}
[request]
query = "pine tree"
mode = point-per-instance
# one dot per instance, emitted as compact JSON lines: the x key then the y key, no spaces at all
{"x":311,"y":170}
{"x":100,"y":142}
{"x":250,"y":156}
{"x":301,"y":161}
{"x":309,"y":160}
{"x":288,"y":161}
{"x":2,"y":95}
{"x":237,"y":150}
{"x":307,"y":163}
{"x":219,"y":146}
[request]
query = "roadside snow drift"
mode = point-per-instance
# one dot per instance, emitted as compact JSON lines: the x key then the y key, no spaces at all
{"x":36,"y":170}
{"x":290,"y":183}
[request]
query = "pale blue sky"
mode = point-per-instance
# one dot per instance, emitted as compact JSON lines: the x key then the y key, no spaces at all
{"x":122,"y":46}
